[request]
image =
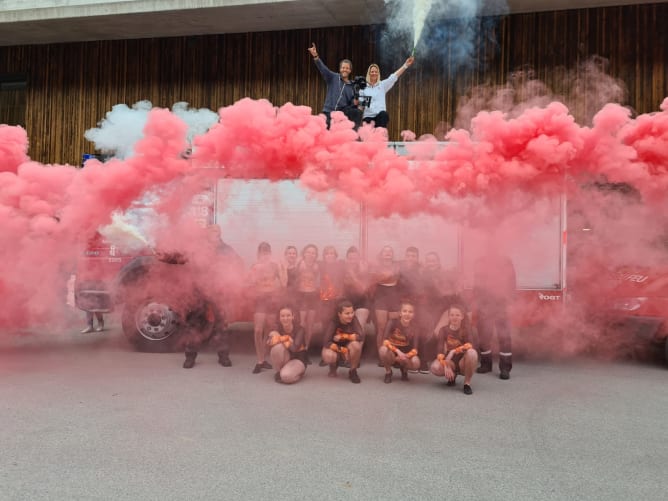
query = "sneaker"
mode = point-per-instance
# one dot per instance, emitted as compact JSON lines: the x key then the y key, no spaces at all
{"x":224,"y":359}
{"x":332,"y":371}
{"x":452,"y":383}
{"x":380,"y":364}
{"x":87,"y":330}
{"x":505,"y":374}
{"x":467,"y":390}
{"x":404,"y":375}
{"x":308,"y":361}
{"x":388,"y":378}
{"x":484,"y":369}
{"x":322,"y":364}
{"x":277,"y":377}
{"x":266,"y":365}
{"x":257,"y":369}
{"x":99,"y":328}
{"x":424,"y":369}
{"x":352,"y":374}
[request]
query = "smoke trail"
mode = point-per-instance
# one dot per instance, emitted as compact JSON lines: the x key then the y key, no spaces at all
{"x":448,"y":30}
{"x":420,"y":10}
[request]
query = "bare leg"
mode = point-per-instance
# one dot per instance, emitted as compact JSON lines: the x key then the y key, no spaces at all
{"x":308,"y":327}
{"x":437,"y":369}
{"x":292,"y":371}
{"x":387,"y":357}
{"x":362,"y":315}
{"x":381,"y":322}
{"x":279,"y":356}
{"x":354,"y":354}
{"x":468,"y":364}
{"x":330,"y":358}
{"x":258,"y":335}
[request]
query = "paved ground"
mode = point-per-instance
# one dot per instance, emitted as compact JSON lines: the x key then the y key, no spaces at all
{"x":84,"y":417}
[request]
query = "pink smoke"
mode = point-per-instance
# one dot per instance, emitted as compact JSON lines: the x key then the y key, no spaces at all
{"x":505,"y":165}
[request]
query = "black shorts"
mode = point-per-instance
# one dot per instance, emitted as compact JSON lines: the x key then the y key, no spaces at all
{"x":358,"y":300}
{"x":308,"y":300}
{"x":386,"y":298}
{"x":266,"y":303}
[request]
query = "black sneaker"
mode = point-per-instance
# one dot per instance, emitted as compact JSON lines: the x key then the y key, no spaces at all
{"x":308,"y":361}
{"x":451,"y":383}
{"x":277,"y":377}
{"x":352,"y":374}
{"x":484,"y":369}
{"x":266,"y":365}
{"x":467,"y":390}
{"x":322,"y":363}
{"x":224,"y":359}
{"x":257,"y":369}
{"x":504,"y":374}
{"x":388,"y":378}
{"x":404,"y":375}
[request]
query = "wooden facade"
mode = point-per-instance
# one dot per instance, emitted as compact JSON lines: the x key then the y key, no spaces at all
{"x":72,"y":86}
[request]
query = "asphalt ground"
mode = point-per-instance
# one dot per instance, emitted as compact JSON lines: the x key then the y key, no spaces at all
{"x":83,"y":417}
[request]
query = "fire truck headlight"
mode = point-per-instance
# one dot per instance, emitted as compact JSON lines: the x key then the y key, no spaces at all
{"x":628,"y":303}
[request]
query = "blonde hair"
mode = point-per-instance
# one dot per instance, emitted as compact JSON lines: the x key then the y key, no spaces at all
{"x":372,"y":65}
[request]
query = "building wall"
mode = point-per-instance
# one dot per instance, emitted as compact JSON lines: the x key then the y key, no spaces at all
{"x":71,"y":86}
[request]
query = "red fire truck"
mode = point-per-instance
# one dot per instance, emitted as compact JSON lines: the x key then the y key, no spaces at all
{"x":284,"y":213}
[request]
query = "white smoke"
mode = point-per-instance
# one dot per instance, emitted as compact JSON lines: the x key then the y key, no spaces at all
{"x":122,"y":127}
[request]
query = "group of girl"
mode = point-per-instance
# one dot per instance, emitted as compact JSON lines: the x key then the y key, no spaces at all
{"x":292,"y":296}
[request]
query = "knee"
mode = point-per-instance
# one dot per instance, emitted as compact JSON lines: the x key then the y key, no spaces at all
{"x":329,"y":356}
{"x":436,"y":368}
{"x":414,"y":363}
{"x":472,"y":356}
{"x":355,"y":347}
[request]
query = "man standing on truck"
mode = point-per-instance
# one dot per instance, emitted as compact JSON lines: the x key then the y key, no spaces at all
{"x":494,"y":286}
{"x":341,"y":91}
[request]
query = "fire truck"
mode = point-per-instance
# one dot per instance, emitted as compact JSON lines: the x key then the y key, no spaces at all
{"x":285,"y":213}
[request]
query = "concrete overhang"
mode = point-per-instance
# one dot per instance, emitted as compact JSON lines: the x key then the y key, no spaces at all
{"x":26,"y":22}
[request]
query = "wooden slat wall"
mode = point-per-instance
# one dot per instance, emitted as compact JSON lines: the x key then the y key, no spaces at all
{"x":72,"y":86}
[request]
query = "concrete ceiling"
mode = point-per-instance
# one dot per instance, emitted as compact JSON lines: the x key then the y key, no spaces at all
{"x":97,"y":20}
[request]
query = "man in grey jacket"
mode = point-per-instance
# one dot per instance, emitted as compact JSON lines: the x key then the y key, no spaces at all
{"x":341,"y":92}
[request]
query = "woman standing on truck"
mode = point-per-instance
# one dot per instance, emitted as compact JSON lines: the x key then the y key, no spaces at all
{"x":265,"y":280}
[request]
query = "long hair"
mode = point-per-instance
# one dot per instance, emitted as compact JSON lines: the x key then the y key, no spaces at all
{"x":368,"y":71}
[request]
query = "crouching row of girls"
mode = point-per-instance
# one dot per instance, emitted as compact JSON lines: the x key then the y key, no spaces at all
{"x":343,"y":341}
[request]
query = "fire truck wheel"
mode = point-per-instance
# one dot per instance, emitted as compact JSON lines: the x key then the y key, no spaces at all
{"x":156,"y":327}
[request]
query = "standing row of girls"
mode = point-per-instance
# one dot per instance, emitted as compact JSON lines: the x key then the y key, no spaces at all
{"x":314,"y":287}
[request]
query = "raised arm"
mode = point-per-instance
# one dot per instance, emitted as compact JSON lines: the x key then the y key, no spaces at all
{"x":327,"y":74}
{"x":404,"y":67}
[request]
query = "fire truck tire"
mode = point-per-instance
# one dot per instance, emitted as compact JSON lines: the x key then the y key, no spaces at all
{"x":153,"y":326}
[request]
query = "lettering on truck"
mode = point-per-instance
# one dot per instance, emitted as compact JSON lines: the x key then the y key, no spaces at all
{"x":548,"y":297}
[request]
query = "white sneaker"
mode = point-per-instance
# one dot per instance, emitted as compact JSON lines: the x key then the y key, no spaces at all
{"x":87,"y":330}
